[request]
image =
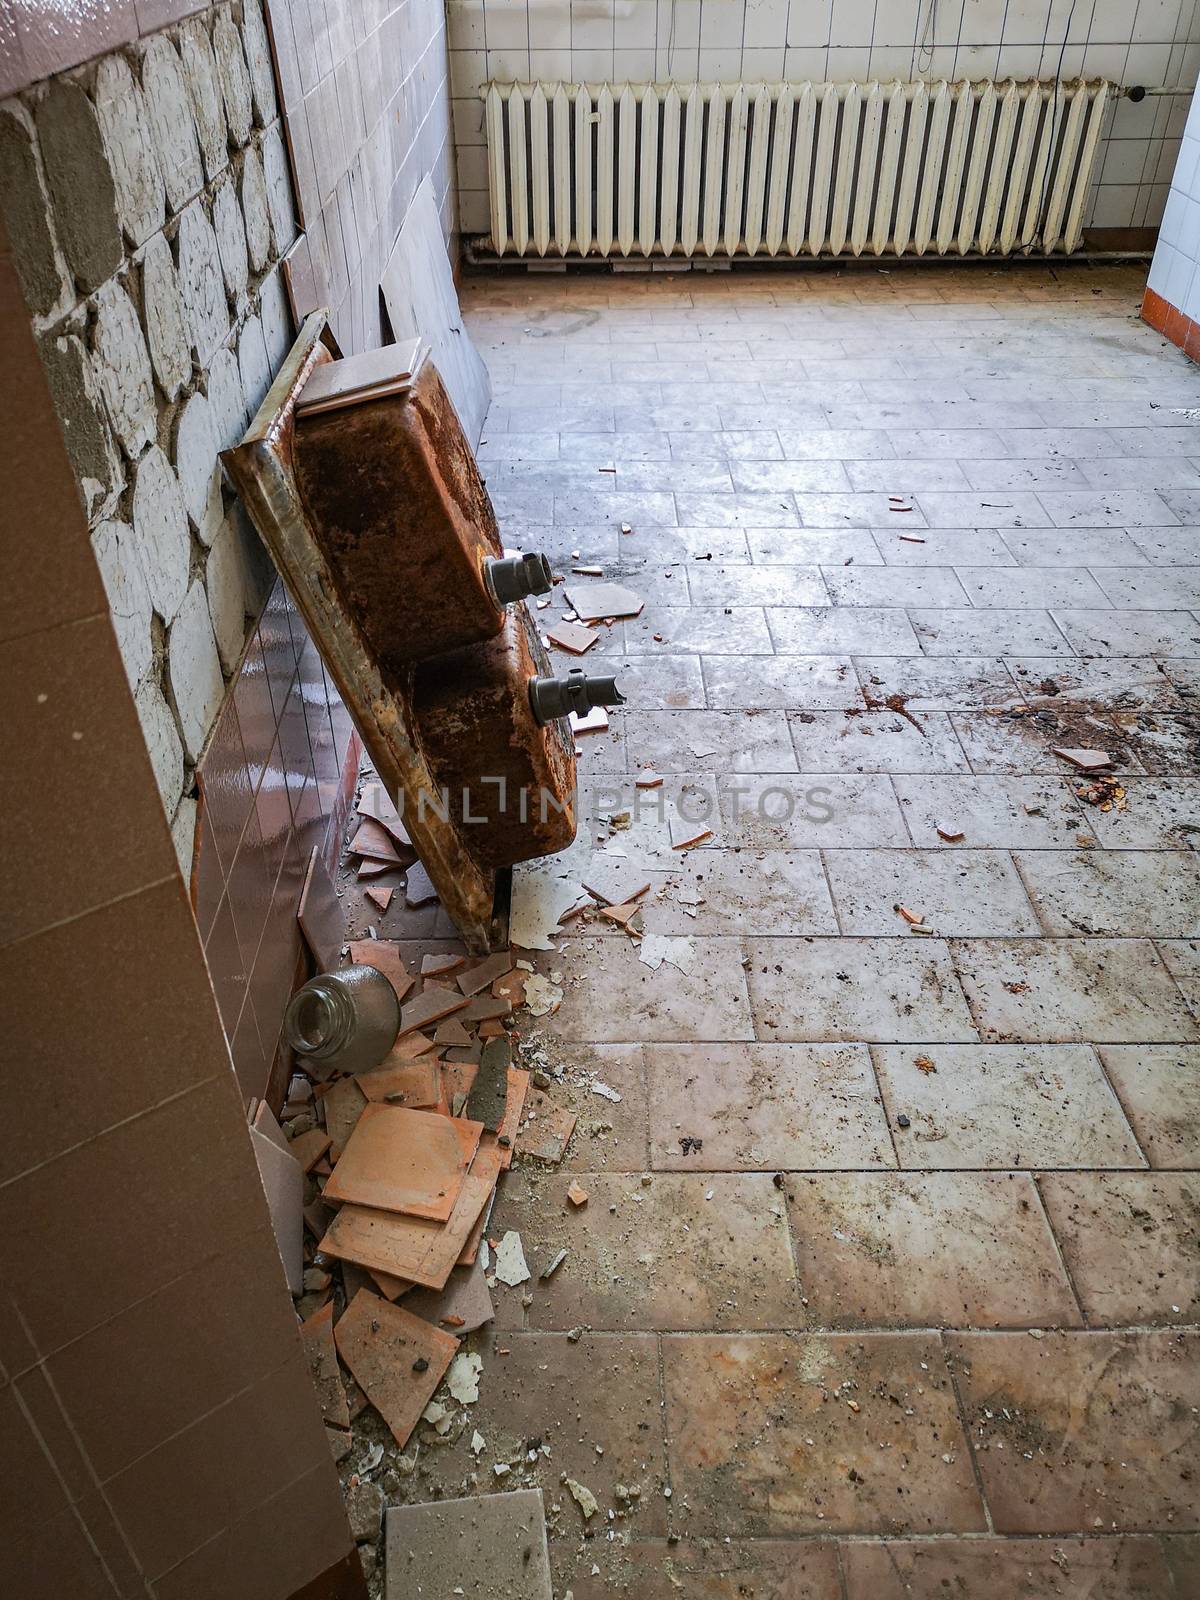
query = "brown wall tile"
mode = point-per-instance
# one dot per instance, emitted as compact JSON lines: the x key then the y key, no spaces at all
{"x":219,"y":1470}
{"x":56,"y":1556}
{"x":65,"y":707}
{"x":172,"y":1358}
{"x":86,"y":987}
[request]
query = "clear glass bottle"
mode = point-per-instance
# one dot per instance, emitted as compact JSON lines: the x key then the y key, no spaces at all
{"x":346,"y":1020}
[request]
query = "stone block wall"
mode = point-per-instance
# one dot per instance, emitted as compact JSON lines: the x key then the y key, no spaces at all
{"x":149,"y":202}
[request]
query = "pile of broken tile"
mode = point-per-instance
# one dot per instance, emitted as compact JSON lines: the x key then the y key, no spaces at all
{"x":400,"y":1168}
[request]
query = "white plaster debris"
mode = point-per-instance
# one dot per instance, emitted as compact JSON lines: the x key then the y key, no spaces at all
{"x":538,"y":901}
{"x":123,"y":368}
{"x":161,"y":528}
{"x":678,"y":951}
{"x":583,"y":1498}
{"x":510,"y":1260}
{"x":478,"y":1443}
{"x":438,"y":1416}
{"x":172,"y":124}
{"x":605,"y":1093}
{"x":541,"y":996}
{"x":166,"y":319}
{"x":463,"y":1378}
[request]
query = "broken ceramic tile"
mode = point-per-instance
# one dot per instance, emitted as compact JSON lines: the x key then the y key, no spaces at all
{"x":374,"y":803}
{"x":342,"y":1104}
{"x":418,"y":886}
{"x":510,"y":1267}
{"x":316,"y":1335}
{"x":485,"y":1103}
{"x":409,"y":1161}
{"x":411,"y":1247}
{"x":397,"y":1359}
{"x":489,"y":1546}
{"x":414,"y":1084}
{"x":539,"y":899}
{"x":685,"y":834}
{"x":548,"y":1137}
{"x":572,"y":637}
{"x":463,"y":1305}
{"x":374,"y":843}
{"x":593,"y":721}
{"x":485,"y":974}
{"x":384,"y":955}
{"x":283,"y":1182}
{"x":308,"y":1148}
{"x":438,"y":966}
{"x":1084,"y":760}
{"x":431,"y":1005}
{"x":593,"y":601}
{"x":614,"y":881}
{"x":577,"y":1195}
{"x":380,"y":897}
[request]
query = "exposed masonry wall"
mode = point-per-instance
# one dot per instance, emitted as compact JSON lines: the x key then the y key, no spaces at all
{"x":148,"y":200}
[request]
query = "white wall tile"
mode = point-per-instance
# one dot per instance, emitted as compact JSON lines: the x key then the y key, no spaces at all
{"x":852,"y":22}
{"x":507,"y":24}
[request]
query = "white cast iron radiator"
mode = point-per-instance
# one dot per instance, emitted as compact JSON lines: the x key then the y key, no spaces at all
{"x":790,"y":169}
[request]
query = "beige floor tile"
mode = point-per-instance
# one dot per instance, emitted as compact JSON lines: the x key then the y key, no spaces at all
{"x":571,"y":1395}
{"x":743,"y":891}
{"x":816,"y":1433}
{"x":868,"y":989}
{"x":863,"y":740}
{"x":1130,"y":893}
{"x":724,"y":741}
{"x":711,"y":1569}
{"x":765,"y":1107}
{"x":683,"y":1250}
{"x":602,"y":1139}
{"x":1131,"y":1242}
{"x":1159,"y":1087}
{"x":953,"y":891}
{"x":1076,"y":1431}
{"x":1105,"y":990}
{"x":1003,"y":1106}
{"x":1031,"y":1569}
{"x":945,"y":1249}
{"x":612,"y":997}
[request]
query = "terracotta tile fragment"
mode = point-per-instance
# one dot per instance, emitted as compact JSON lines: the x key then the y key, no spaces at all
{"x":342,"y":1104}
{"x":317,"y":1337}
{"x":396,"y":1358}
{"x":475,"y":979}
{"x":384,"y":955}
{"x":374,"y":842}
{"x":308,"y":1148}
{"x":374,"y":803}
{"x":577,"y":1195}
{"x":451,"y":1032}
{"x":431,"y":1005}
{"x":407,"y":1048}
{"x":411,"y":1247}
{"x":390,"y":1288}
{"x":547,"y":1138}
{"x":419,"y":1082}
{"x":438,"y":965}
{"x":482,"y":1006}
{"x":511,"y":987}
{"x":464,"y":1304}
{"x":400,"y":1160}
{"x":573,"y":638}
{"x":380,"y":897}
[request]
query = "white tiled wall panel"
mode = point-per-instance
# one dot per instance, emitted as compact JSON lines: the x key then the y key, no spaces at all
{"x":1155,"y":43}
{"x":1175,"y":272}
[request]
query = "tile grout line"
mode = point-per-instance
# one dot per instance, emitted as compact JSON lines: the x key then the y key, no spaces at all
{"x":976,"y":1471}
{"x":1035,"y":1178}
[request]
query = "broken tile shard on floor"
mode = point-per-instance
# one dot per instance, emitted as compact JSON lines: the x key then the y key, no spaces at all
{"x":397,"y":1359}
{"x":408,"y":1161}
{"x":317,"y":1337}
{"x":487,"y":1547}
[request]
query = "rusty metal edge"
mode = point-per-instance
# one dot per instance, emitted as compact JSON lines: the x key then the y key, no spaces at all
{"x":260,"y":470}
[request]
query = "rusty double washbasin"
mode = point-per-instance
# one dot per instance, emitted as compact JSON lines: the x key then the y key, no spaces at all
{"x":407,"y":534}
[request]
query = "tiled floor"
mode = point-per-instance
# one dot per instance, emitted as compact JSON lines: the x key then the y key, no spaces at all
{"x":889,"y":1277}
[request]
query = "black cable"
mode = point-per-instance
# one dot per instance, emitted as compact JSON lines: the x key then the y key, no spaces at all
{"x":1028,"y":243}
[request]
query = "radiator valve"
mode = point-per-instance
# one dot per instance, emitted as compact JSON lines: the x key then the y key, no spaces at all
{"x":511,"y":578}
{"x":577,"y":692}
